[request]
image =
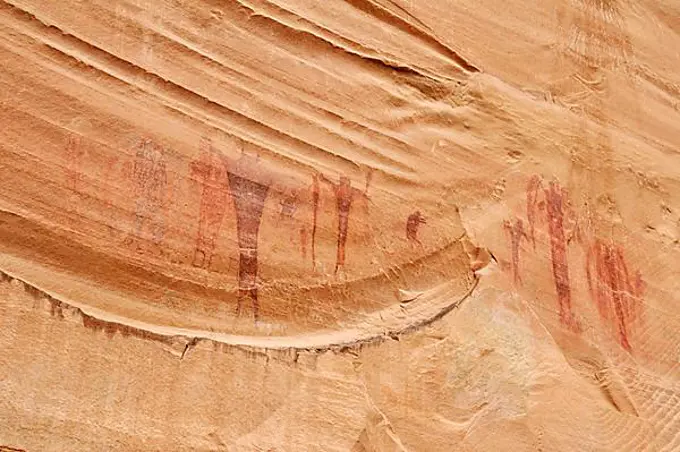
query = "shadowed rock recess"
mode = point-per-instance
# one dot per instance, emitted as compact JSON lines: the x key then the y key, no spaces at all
{"x":348,"y":225}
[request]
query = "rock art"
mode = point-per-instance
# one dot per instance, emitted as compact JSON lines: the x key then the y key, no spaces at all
{"x":349,"y":225}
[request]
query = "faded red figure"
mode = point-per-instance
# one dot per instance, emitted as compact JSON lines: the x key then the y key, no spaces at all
{"x":517,"y":234}
{"x":149,"y":177}
{"x":533,"y":205}
{"x":344,"y":196}
{"x":109,"y":175}
{"x":210,"y":169}
{"x":618,"y":294}
{"x":289,"y":204}
{"x":413,"y":222}
{"x":556,"y":204}
{"x":303,"y":242}
{"x":249,"y":182}
{"x":291,"y":199}
{"x":73,"y":154}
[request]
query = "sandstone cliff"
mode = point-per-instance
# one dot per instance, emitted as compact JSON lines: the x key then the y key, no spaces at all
{"x":349,"y":225}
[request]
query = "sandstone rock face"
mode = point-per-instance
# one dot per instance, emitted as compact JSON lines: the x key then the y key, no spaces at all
{"x":349,"y":225}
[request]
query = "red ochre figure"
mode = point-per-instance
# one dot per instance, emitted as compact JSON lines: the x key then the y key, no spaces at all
{"x":556,"y":202}
{"x":211,"y":170}
{"x":149,"y":177}
{"x":517,"y":233}
{"x":413,"y":222}
{"x":533,"y":206}
{"x":249,"y":184}
{"x":617,"y":294}
{"x":73,"y":155}
{"x":315,"y":214}
{"x":344,"y":196}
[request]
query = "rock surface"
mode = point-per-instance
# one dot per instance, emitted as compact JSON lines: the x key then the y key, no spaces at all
{"x":359,"y":225}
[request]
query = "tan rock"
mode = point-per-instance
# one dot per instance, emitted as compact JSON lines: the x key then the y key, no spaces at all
{"x":339,"y":226}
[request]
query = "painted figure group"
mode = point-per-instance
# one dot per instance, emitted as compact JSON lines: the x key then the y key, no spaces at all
{"x":616,"y":291}
{"x":246,"y":183}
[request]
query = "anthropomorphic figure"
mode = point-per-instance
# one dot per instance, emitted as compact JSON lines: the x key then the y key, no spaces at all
{"x":210,"y":168}
{"x":74,"y":153}
{"x":291,"y":198}
{"x":249,"y":181}
{"x":345,"y":194}
{"x":149,"y":177}
{"x":289,"y":204}
{"x":618,"y":294}
{"x":413,"y":223}
{"x":561,"y":227}
{"x":316,"y":193}
{"x":517,"y":234}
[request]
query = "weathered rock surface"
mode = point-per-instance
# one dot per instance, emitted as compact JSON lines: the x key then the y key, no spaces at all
{"x":360,"y":225}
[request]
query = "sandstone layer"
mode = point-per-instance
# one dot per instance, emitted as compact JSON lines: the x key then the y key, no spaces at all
{"x":349,"y":225}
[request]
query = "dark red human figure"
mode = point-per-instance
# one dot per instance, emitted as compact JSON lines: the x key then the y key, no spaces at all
{"x":617,"y":294}
{"x":149,"y":177}
{"x":517,"y":234}
{"x":211,"y":170}
{"x":249,"y":183}
{"x":556,"y":202}
{"x":316,"y":191}
{"x":413,"y":222}
{"x":344,"y":196}
{"x":73,"y":154}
